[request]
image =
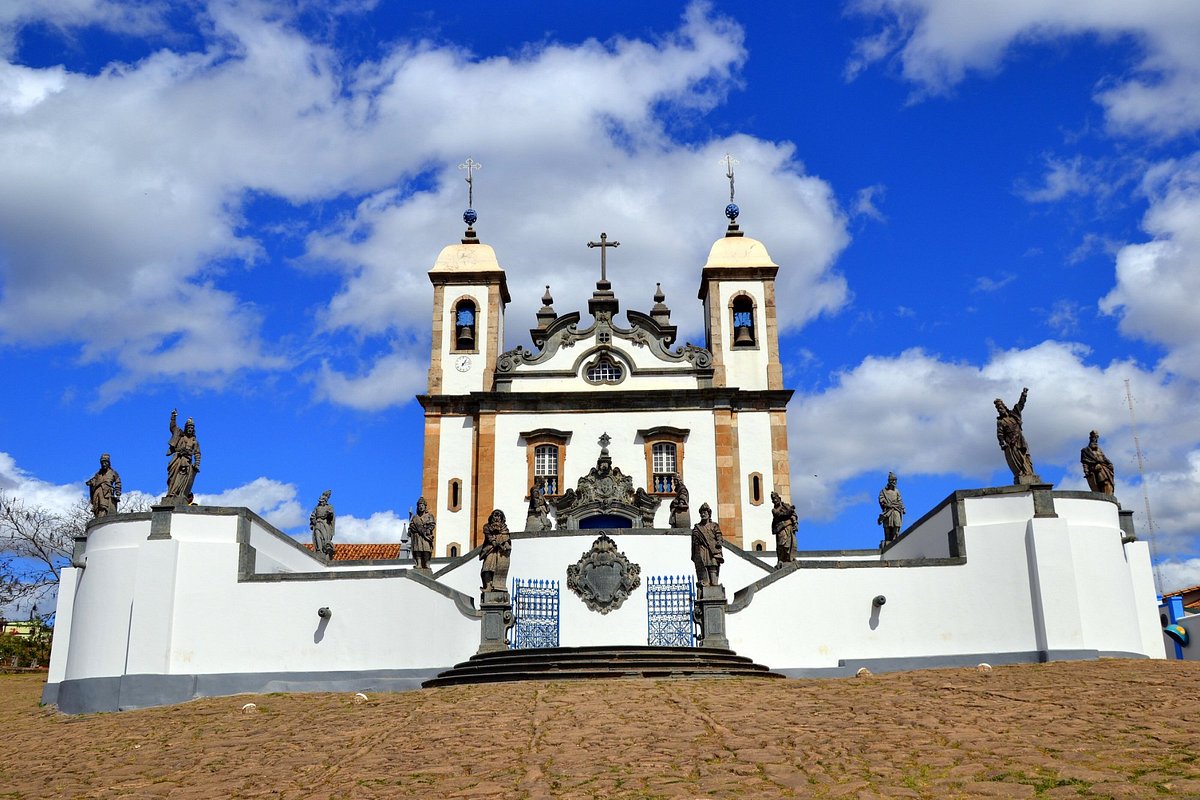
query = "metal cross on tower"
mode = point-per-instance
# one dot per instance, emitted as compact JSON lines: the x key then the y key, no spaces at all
{"x":603,"y":244}
{"x":729,"y":162}
{"x":470,"y":165}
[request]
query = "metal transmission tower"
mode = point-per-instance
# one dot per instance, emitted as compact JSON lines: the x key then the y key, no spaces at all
{"x":1137,"y":446}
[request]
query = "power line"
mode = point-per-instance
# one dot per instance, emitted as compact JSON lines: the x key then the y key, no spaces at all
{"x":1137,"y":446}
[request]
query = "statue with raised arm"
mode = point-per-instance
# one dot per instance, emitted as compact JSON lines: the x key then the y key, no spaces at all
{"x":784,"y":524}
{"x":891,"y":510}
{"x":184,"y":450}
{"x":104,"y":488}
{"x":1011,"y":437}
{"x":320,"y":522}
{"x":707,"y":552}
{"x":420,"y":533}
{"x":1096,"y":467}
{"x":681,"y":515}
{"x":495,"y":553}
{"x":538,"y":516}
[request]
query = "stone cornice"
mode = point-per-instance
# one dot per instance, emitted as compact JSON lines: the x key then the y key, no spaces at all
{"x":631,"y":400}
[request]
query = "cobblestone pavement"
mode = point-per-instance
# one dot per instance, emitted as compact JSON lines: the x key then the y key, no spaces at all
{"x":1075,"y":729}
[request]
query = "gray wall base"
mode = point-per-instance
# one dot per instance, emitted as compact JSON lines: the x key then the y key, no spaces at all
{"x":89,"y":695}
{"x":849,"y":666}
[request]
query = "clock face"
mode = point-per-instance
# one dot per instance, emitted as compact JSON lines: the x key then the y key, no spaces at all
{"x":462,"y":364}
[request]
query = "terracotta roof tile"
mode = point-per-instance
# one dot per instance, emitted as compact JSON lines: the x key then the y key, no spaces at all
{"x":363,"y":552}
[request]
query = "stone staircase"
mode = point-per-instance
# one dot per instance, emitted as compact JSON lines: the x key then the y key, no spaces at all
{"x":574,"y":663}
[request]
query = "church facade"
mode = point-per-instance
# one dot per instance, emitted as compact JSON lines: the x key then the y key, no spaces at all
{"x":594,"y":394}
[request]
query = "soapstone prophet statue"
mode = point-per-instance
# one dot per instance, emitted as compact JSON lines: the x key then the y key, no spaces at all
{"x":495,"y":553}
{"x":1011,"y":436}
{"x":184,"y":450}
{"x":707,"y":552}
{"x":321,"y":522}
{"x":784,"y":525}
{"x":891,"y":509}
{"x":104,"y":488}
{"x":420,"y":532}
{"x":1096,"y":467}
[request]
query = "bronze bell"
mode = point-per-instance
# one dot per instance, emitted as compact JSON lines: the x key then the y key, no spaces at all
{"x":742,"y":336}
{"x":466,"y":337}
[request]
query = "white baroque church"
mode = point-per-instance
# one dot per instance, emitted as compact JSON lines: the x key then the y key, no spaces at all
{"x":712,"y":415}
{"x":598,"y":422}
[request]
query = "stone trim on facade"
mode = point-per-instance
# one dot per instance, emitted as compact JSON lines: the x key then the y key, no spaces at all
{"x":431,"y":462}
{"x":484,"y":495}
{"x":729,"y":494}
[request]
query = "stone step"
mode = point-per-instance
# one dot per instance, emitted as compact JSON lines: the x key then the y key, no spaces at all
{"x":608,"y":654}
{"x":576,"y":663}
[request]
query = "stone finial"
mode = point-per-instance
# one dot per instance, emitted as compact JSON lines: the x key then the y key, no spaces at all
{"x":660,"y":313}
{"x":546,"y":314}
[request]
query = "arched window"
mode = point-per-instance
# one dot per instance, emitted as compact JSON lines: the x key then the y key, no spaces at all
{"x":605,"y":370}
{"x":454,"y":495}
{"x":464,"y":326}
{"x":745,"y":333}
{"x":452,"y":551}
{"x":759,"y":546}
{"x":756,"y":489}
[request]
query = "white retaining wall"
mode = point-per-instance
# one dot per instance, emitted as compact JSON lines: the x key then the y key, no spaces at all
{"x":224,"y":595}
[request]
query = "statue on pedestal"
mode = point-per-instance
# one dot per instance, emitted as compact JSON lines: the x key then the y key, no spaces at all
{"x":891,"y":510}
{"x":184,"y":450}
{"x":1096,"y":467}
{"x":707,"y":552}
{"x":681,"y":516}
{"x":784,"y":524}
{"x":497,"y":547}
{"x":104,"y":488}
{"x":1011,"y":437}
{"x":420,"y":532}
{"x":320,"y":522}
{"x":538,"y":517}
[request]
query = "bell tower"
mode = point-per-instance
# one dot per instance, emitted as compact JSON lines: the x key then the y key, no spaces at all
{"x":470,"y":293}
{"x":737,"y":287}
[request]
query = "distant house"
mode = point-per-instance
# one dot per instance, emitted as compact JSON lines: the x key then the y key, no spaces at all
{"x":1190,"y":597}
{"x":20,"y":627}
{"x":365,"y":552}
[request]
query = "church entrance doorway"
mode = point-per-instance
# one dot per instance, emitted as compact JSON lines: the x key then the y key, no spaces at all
{"x":605,"y":521}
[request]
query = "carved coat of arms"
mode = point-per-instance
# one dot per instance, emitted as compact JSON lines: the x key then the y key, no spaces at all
{"x":603,"y":577}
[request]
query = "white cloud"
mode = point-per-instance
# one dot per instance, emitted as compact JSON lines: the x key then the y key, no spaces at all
{"x":273,"y":500}
{"x":1062,"y":178}
{"x":17,"y":482}
{"x":392,"y":380}
{"x":1158,"y":281}
{"x":917,"y":414}
{"x":382,"y":527}
{"x":1179,"y":574}
{"x":140,"y":17}
{"x":985,"y":284}
{"x":128,"y":236}
{"x":864,"y":202}
{"x":937,"y":42}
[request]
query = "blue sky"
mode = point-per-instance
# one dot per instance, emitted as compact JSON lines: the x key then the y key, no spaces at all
{"x":230,"y":208}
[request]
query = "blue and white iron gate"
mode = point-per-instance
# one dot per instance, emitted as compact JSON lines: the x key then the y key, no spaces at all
{"x":670,"y":611}
{"x":535,"y":613}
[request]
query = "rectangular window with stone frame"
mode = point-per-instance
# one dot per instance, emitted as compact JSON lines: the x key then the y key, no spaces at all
{"x":545,"y":466}
{"x":664,"y":458}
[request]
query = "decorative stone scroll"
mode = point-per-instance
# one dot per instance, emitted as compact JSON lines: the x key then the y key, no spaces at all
{"x":603,"y":577}
{"x":606,"y":490}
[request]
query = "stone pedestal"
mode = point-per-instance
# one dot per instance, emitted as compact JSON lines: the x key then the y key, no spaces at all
{"x":710,"y":605}
{"x":78,"y":552}
{"x":497,"y":619}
